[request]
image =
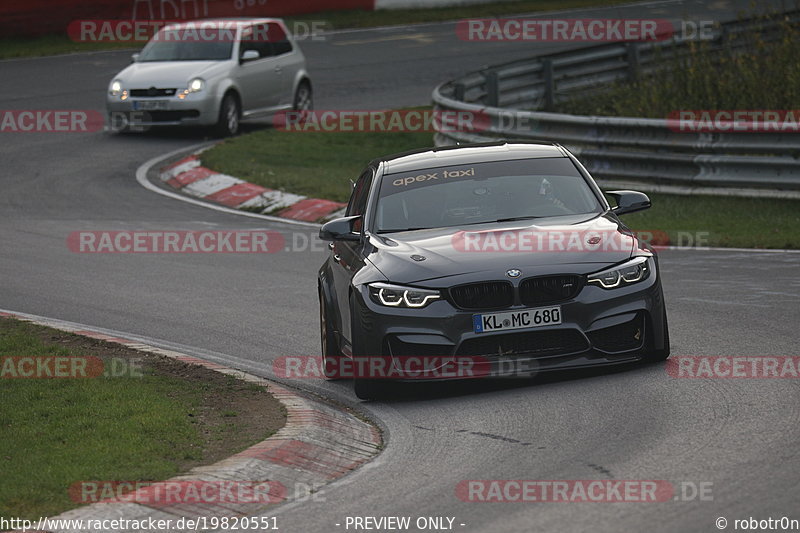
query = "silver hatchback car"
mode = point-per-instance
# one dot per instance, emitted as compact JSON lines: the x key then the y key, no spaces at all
{"x":211,"y":73}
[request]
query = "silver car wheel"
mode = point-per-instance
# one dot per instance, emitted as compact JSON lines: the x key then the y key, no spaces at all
{"x":303,"y":100}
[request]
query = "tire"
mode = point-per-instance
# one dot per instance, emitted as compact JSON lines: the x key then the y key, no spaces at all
{"x":365,"y":388}
{"x":303,"y":97}
{"x":368,"y":389}
{"x":331,"y":354}
{"x":118,"y":123}
{"x":654,"y":356}
{"x":230,"y":113}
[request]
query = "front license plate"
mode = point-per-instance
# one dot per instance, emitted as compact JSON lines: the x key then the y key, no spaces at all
{"x":525,"y":318}
{"x":149,"y":105}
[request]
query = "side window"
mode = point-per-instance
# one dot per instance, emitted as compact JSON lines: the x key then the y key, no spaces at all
{"x":358,"y":200}
{"x":278,"y":38}
{"x":258,"y":38}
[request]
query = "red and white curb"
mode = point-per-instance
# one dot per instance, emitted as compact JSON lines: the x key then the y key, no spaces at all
{"x":318,"y":444}
{"x":190,"y":177}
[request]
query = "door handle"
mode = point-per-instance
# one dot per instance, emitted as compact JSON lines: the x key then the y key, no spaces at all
{"x":278,"y":70}
{"x":337,"y":257}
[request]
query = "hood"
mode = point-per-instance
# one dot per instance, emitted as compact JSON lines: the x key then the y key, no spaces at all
{"x":556,"y":245}
{"x":166,"y":74}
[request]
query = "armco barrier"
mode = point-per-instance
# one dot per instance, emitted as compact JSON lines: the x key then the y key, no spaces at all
{"x":515,"y":96}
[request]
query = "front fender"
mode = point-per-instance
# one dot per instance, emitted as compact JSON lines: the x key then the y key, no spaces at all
{"x":222,"y":87}
{"x":300,"y":76}
{"x":325,"y":286}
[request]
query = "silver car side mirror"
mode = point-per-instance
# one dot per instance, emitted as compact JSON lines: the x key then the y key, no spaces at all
{"x":249,"y":55}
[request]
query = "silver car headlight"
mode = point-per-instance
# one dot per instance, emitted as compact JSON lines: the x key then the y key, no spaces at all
{"x":399,"y":296}
{"x":115,"y":88}
{"x":634,"y":271}
{"x":196,"y":85}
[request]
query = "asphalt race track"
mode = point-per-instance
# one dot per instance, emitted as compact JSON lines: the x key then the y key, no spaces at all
{"x":740,"y":435}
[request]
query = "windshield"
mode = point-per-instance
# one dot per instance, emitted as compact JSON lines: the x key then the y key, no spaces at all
{"x":215,"y":45}
{"x":483,"y":192}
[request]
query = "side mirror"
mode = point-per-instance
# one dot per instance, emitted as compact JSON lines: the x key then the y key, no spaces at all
{"x":134,"y":57}
{"x":249,"y":55}
{"x":629,"y":201}
{"x":340,"y":229}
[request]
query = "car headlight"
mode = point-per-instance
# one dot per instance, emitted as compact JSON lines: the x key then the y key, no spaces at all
{"x":196,"y":85}
{"x":635,"y":270}
{"x":115,"y":88}
{"x":398,"y":296}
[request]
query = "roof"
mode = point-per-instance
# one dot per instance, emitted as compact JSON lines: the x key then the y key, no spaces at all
{"x":223,"y":22}
{"x":470,"y":153}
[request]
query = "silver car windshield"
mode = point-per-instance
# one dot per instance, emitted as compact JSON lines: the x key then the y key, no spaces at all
{"x":482,"y":193}
{"x":210,"y":45}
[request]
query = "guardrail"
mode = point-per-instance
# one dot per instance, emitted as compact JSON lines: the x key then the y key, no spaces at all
{"x":514,"y":99}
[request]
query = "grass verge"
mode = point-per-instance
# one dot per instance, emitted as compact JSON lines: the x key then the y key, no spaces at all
{"x":158,"y":418}
{"x":61,"y":44}
{"x":751,"y":71}
{"x":315,"y":164}
{"x":721,"y":221}
{"x":320,"y":165}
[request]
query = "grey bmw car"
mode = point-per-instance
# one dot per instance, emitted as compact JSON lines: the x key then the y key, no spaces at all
{"x":504,"y":254}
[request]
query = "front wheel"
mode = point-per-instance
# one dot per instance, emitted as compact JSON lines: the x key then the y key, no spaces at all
{"x":368,"y":389}
{"x":662,"y":354}
{"x":229,"y":115}
{"x":365,"y":387}
{"x":331,"y":355}
{"x":118,"y":123}
{"x":303,"y":98}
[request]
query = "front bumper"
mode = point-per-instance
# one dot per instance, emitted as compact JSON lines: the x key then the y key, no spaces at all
{"x":195,"y":110}
{"x":599,"y":327}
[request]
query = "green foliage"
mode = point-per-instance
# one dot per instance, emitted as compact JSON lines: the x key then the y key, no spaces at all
{"x":748,"y":72}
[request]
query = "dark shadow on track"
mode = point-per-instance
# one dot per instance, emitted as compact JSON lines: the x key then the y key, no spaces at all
{"x":409,"y":391}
